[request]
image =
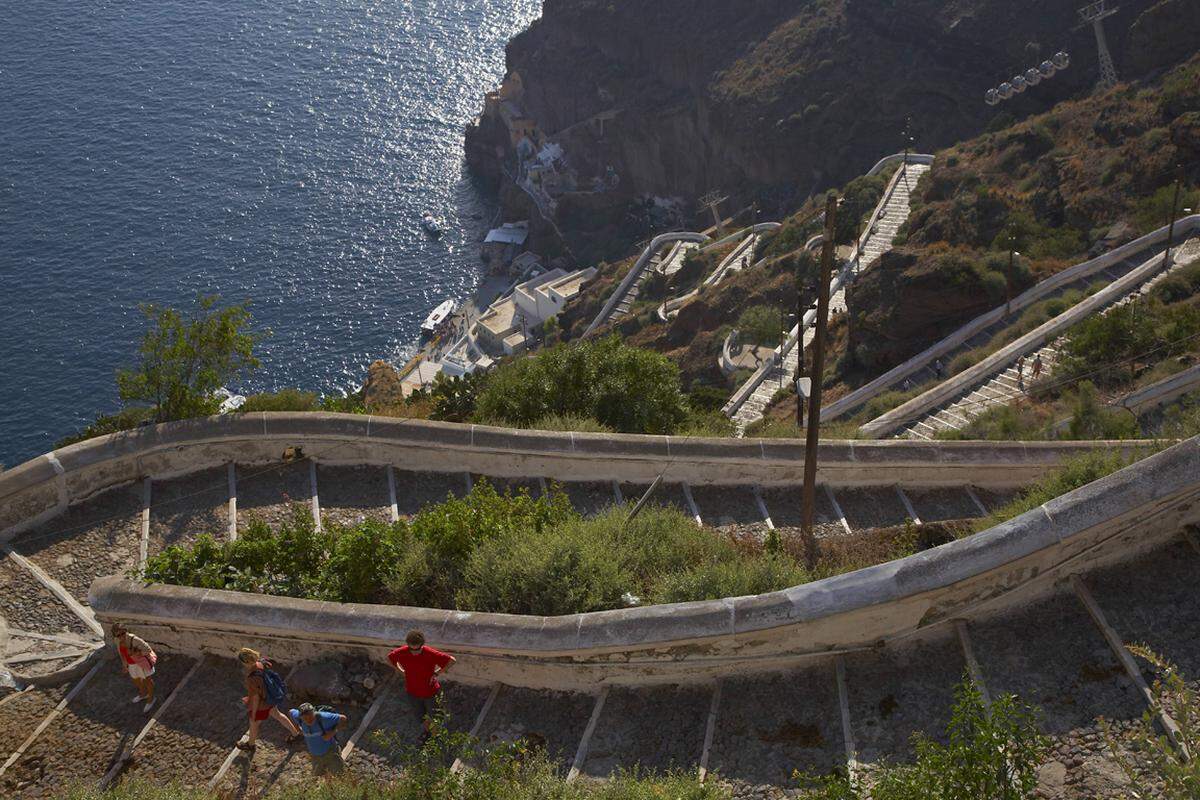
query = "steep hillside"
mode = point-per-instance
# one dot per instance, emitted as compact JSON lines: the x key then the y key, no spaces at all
{"x":774,"y":101}
{"x":1084,"y":177}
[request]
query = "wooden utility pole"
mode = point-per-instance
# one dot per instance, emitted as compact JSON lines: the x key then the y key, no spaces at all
{"x":1171,"y":224}
{"x":818,"y":369}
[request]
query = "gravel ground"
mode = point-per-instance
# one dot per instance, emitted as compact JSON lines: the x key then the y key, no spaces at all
{"x":196,"y":733}
{"x":553,"y":720}
{"x":935,"y":505}
{"x":784,"y":505}
{"x":19,"y":716}
{"x":623,"y":739}
{"x":99,"y":537}
{"x":87,"y":738}
{"x":183,"y":508}
{"x":275,"y":763}
{"x":1053,"y":656}
{"x":770,"y":725}
{"x":415,"y":490}
{"x":995,"y":498}
{"x":589,"y":498}
{"x":669,"y":495}
{"x":25,"y":604}
{"x":350,"y":495}
{"x":269,"y":493}
{"x":896,"y":692}
{"x":1153,"y":602}
{"x":381,"y":751}
{"x":728,"y":505}
{"x":878,"y":507}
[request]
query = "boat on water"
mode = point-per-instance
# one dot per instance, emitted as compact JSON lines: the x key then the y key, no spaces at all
{"x":438,"y":317}
{"x":430,"y":224}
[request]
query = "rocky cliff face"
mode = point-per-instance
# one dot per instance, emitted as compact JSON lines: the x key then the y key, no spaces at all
{"x":774,"y":98}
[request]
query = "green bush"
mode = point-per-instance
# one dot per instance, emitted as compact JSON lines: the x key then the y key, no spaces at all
{"x":730,"y":579}
{"x":566,"y":570}
{"x":282,"y":400}
{"x":124,"y":420}
{"x":628,"y":389}
{"x":570,"y":422}
{"x":992,"y":751}
{"x":761,"y":325}
{"x":1090,"y":420}
{"x":1127,"y":335}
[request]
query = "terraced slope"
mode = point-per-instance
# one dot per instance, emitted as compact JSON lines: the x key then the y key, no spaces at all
{"x":851,"y":710}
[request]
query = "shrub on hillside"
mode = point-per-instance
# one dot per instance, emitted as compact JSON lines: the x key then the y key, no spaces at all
{"x":1090,"y":420}
{"x":282,"y":400}
{"x":1108,"y":348}
{"x":625,"y":388}
{"x":761,"y":325}
{"x":124,"y":420}
{"x":992,"y":751}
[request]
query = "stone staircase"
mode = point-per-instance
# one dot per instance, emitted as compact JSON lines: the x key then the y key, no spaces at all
{"x":1010,"y":383}
{"x":669,"y":265}
{"x":852,"y":710}
{"x":1000,"y":390}
{"x":878,"y":240}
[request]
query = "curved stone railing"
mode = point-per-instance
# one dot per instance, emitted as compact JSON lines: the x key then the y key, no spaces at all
{"x":1032,"y":295}
{"x":44,"y":486}
{"x":675,"y":303}
{"x":1111,"y":519}
{"x":897,"y":158}
{"x":1043,"y":334}
{"x":1161,"y":392}
{"x":636,"y":272}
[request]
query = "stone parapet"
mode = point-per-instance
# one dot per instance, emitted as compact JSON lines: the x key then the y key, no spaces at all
{"x":1109,"y":520}
{"x":48,"y":484}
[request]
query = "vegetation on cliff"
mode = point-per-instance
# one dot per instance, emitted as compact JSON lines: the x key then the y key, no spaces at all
{"x":1083,"y":177}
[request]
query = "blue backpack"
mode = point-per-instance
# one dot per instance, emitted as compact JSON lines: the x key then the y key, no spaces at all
{"x":273,"y":686}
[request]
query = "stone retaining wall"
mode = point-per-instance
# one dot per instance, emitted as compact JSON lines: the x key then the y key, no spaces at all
{"x":1106,"y":521}
{"x":45,"y":486}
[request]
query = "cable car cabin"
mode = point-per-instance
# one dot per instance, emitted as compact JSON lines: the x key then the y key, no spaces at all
{"x":1061,"y":60}
{"x":1018,"y":84}
{"x":992,"y":97}
{"x":1033,"y":77}
{"x":1047,"y":69}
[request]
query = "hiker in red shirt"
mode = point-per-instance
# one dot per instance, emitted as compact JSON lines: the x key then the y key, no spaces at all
{"x":420,"y":666}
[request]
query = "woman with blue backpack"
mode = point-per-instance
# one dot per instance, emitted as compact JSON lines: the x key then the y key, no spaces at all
{"x":265,"y":691}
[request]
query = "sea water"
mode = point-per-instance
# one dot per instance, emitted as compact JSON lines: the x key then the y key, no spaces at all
{"x":279,"y":153}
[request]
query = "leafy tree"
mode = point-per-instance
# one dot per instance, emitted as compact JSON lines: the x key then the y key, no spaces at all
{"x":858,"y":202}
{"x":454,"y":399}
{"x":761,"y":325}
{"x":626,"y":388}
{"x":1093,"y":421}
{"x":185,"y":358}
{"x":1125,"y":335}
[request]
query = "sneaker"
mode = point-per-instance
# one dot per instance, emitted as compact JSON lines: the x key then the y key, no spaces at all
{"x":149,"y":705}
{"x":245,"y":746}
{"x":137,"y":699}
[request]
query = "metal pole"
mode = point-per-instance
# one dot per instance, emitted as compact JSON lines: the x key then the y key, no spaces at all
{"x":814,"y":400}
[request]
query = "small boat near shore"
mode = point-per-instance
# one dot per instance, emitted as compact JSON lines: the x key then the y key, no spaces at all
{"x":430,"y":224}
{"x":437,"y":318}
